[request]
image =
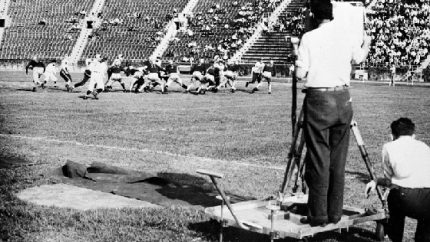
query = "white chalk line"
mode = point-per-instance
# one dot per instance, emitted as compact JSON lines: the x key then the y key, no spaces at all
{"x":144,"y":111}
{"x":143,"y":150}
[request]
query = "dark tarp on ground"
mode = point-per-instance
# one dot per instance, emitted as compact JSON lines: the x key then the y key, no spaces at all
{"x":155,"y":188}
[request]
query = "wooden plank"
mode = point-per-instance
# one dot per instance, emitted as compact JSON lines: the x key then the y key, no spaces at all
{"x":287,"y":224}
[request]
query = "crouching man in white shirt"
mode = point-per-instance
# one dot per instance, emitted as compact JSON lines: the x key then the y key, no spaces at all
{"x":406,"y":163}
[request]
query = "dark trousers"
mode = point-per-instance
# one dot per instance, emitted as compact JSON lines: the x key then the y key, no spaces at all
{"x":327,"y":117}
{"x":139,"y":83}
{"x":256,"y":77}
{"x":410,"y":202}
{"x":87,"y":76}
{"x":65,"y":76}
{"x":217,"y":79}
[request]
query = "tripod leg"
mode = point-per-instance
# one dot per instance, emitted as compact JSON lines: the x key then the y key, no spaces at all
{"x":365,"y":156}
{"x":300,"y":162}
{"x":292,"y":155}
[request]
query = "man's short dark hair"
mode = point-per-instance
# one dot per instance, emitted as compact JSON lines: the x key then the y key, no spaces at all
{"x":402,"y":126}
{"x":322,"y":9}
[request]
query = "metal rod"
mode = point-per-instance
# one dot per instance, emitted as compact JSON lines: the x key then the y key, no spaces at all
{"x":365,"y":156}
{"x":292,"y":155}
{"x":222,"y":221}
{"x":272,"y":225}
{"x":224,"y":197}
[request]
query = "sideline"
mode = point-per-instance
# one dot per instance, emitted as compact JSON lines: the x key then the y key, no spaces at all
{"x":144,"y":150}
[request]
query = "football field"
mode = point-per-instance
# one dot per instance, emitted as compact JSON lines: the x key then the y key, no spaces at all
{"x":244,"y":136}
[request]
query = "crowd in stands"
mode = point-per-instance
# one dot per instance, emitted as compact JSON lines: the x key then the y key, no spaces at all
{"x":218,"y":28}
{"x":401,"y":32}
{"x":133,"y":28}
{"x":292,"y":21}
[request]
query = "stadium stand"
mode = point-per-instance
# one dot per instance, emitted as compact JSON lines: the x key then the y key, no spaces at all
{"x":46,"y":28}
{"x":172,"y":28}
{"x":272,"y":43}
{"x":132,"y":28}
{"x":400,"y":31}
{"x":4,"y":6}
{"x":82,"y":40}
{"x":218,"y":27}
{"x":50,"y":29}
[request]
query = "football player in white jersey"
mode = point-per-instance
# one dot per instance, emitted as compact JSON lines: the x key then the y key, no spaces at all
{"x":257,"y":72}
{"x":87,"y":73}
{"x":50,"y":72}
{"x":98,"y":71}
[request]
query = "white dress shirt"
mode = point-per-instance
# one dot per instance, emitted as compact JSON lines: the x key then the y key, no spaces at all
{"x":325,"y":54}
{"x":406,"y":162}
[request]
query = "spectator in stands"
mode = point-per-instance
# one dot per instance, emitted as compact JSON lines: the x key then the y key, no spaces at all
{"x":42,"y":22}
{"x":400,"y":31}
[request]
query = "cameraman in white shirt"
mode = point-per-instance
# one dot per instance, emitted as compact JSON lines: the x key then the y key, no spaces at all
{"x":406,"y":163}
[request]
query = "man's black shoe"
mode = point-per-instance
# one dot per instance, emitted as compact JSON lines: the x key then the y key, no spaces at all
{"x":334,"y":220}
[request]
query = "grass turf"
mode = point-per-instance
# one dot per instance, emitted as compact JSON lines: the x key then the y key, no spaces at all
{"x":244,"y":136}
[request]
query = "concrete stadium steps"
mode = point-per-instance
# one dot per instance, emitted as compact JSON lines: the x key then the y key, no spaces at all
{"x":270,"y":46}
{"x":172,"y":31}
{"x":82,"y":40}
{"x":293,"y":6}
{"x":273,"y":45}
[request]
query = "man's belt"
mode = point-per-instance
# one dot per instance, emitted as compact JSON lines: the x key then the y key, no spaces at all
{"x":326,"y":89}
{"x":400,"y":188}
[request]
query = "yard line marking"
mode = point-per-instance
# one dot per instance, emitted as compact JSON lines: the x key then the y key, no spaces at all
{"x":144,"y":111}
{"x":143,"y":150}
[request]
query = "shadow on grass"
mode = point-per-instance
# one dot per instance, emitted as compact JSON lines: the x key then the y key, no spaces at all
{"x":24,"y":89}
{"x":12,"y":162}
{"x":193,"y":189}
{"x":47,"y":89}
{"x":211,"y":230}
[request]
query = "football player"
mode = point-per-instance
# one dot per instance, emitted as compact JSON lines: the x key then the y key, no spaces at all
{"x":208,"y":81}
{"x":50,"y":72}
{"x":230,"y":75}
{"x":268,"y":72}
{"x":96,"y":84}
{"x":38,"y":69}
{"x":153,"y":78}
{"x":115,"y":76}
{"x":172,"y":75}
{"x":257,"y":71}
{"x":198,"y":71}
{"x":87,"y":73}
{"x":138,"y":75}
{"x":65,"y":74}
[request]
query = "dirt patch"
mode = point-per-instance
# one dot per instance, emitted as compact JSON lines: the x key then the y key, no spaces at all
{"x":68,"y":196}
